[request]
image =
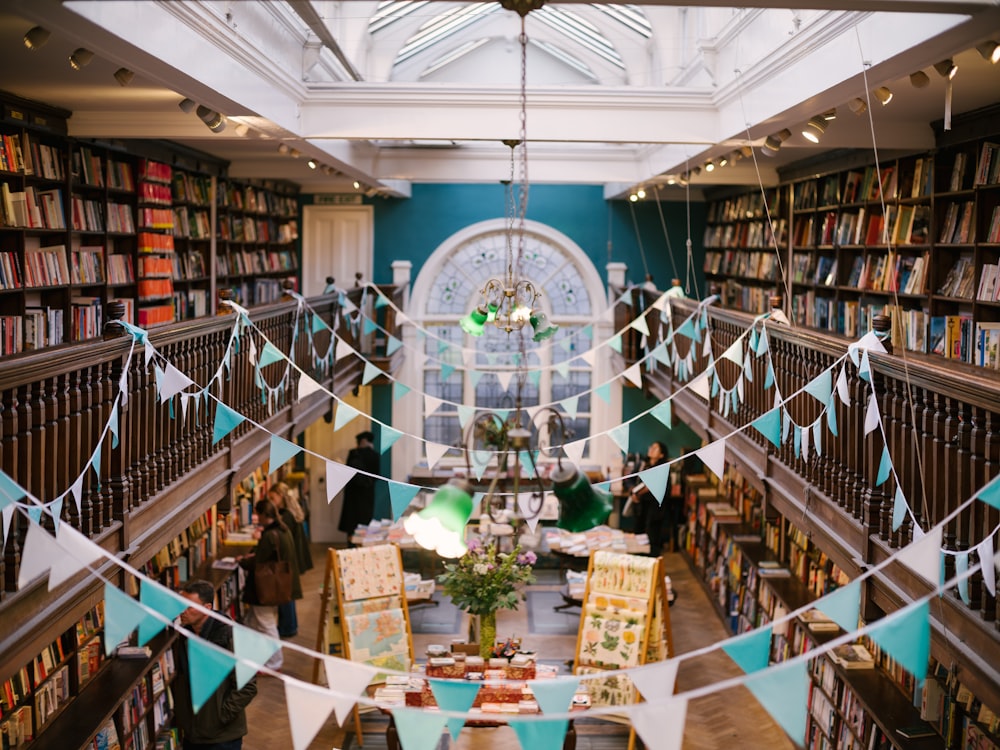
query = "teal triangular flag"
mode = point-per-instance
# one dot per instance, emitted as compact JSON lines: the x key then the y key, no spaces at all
{"x":442,"y":347}
{"x":571,"y":406}
{"x":603,"y":392}
{"x":392,"y":344}
{"x":620,"y":435}
{"x":454,"y":695}
{"x":210,"y":665}
{"x":990,"y":494}
{"x":400,"y":496}
{"x":797,"y":440}
{"x":474,"y":377}
{"x":535,"y":377}
{"x":656,"y":480}
{"x":381,"y":301}
{"x":480,"y":460}
{"x":10,"y":491}
{"x":122,"y":614}
{"x":502,"y":413}
{"x":446,"y":371}
{"x":831,"y":416}
{"x":540,"y":734}
{"x":249,"y":645}
{"x":387,"y":436}
{"x":865,"y":368}
{"x":762,"y":342}
{"x":716,"y":385}
{"x":753,"y":340}
{"x":515,"y":357}
{"x":751,"y":650}
{"x":821,"y":386}
{"x":884,"y":465}
{"x":769,"y":376}
{"x":418,"y":729}
{"x":281,"y":451}
{"x":345,"y":413}
{"x":226,"y":420}
{"x":35,"y":513}
{"x":563,"y":369}
{"x":587,"y":331}
{"x":95,"y":462}
{"x":661,"y":354}
{"x":158,"y":377}
{"x":906,"y":636}
{"x":783,"y":690}
{"x":554,"y":696}
{"x":269,"y":355}
{"x":163,"y":600}
{"x":318,"y":324}
{"x":371,"y":372}
{"x":899,"y":508}
{"x":369,"y":326}
{"x":465,"y":413}
{"x":768,"y":424}
{"x":529,"y":462}
{"x":399,"y":390}
{"x":663,"y":412}
{"x":843,"y":605}
{"x":687,"y":329}
{"x":113,"y":424}
{"x":615,"y":342}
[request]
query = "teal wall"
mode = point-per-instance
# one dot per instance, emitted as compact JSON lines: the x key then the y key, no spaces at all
{"x":412,"y":228}
{"x":382,"y":411}
{"x":679,"y":439}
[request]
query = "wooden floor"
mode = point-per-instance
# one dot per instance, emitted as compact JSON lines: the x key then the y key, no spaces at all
{"x":720,"y":720}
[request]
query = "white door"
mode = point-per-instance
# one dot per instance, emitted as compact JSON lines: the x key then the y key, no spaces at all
{"x":337,"y":241}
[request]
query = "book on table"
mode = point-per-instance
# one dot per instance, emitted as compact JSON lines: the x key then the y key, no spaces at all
{"x":852,"y":656}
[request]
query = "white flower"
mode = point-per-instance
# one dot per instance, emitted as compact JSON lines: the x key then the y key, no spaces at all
{"x":480,"y":569}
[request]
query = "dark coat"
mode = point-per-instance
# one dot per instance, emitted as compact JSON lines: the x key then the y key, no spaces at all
{"x":303,"y":555}
{"x":272,"y":540}
{"x":359,"y":494}
{"x":223,"y":716}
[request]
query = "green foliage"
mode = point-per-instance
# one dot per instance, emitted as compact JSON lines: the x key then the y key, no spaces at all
{"x":485,"y":580}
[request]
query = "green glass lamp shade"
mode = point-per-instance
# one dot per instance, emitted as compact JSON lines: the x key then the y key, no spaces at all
{"x":542,"y":326}
{"x":441,"y":525}
{"x":473,"y":323}
{"x":581,"y":505}
{"x":491,"y":312}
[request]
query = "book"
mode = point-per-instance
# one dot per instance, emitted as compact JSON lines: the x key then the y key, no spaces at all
{"x":817,"y":622}
{"x":852,"y":656}
{"x":915,"y":731}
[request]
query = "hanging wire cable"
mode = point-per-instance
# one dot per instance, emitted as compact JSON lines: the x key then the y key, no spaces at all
{"x":666,"y":235}
{"x":689,"y":274}
{"x":638,"y":239}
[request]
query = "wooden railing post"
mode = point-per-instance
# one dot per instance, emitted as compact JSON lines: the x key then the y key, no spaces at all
{"x":119,"y":457}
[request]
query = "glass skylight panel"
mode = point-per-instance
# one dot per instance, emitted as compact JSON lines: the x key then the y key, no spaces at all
{"x":389,"y":12}
{"x":444,"y":25}
{"x":451,"y":57}
{"x":582,"y":32}
{"x":565,"y":57}
{"x":630,"y":16}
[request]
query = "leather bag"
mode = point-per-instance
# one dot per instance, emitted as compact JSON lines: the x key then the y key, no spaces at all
{"x":273,"y":580}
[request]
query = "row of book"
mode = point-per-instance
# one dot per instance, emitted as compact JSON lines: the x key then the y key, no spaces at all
{"x":189,"y":265}
{"x":993,"y":232}
{"x":86,"y":215}
{"x":191,"y":188}
{"x":192,"y":223}
{"x":155,"y":289}
{"x":988,"y":169}
{"x":46,"y":266}
{"x":155,"y":242}
{"x":155,"y":171}
{"x":889,"y":272}
{"x":87,"y":265}
{"x":31,"y":208}
{"x":958,"y":228}
{"x":88,"y":168}
{"x":254,"y":200}
{"x":28,"y":156}
{"x":156,"y":266}
{"x":120,"y":270}
{"x":155,"y":194}
{"x":738,"y":235}
{"x":191,"y":303}
{"x":246,"y":263}
{"x":989,"y":283}
{"x":120,"y":219}
{"x":87,"y":319}
{"x":238,"y":228}
{"x":961,"y":279}
{"x":156,"y":218}
{"x":154,"y":315}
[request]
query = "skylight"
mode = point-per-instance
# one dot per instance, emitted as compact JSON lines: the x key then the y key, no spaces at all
{"x":444,"y":25}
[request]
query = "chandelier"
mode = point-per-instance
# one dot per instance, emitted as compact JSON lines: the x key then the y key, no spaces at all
{"x":510,"y":303}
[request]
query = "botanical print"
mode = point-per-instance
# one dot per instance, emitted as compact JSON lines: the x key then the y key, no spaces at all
{"x":378,"y":638}
{"x":617,"y":573}
{"x":378,"y":604}
{"x":370,"y":571}
{"x":616,"y":690}
{"x":611,"y":640}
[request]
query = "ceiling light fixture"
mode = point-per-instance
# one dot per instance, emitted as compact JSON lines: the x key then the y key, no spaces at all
{"x":946,"y":68}
{"x":80,"y":58}
{"x":857,"y":105}
{"x":723,"y":160}
{"x":124,"y":76}
{"x":814,"y":129}
{"x":283,"y":149}
{"x":772,"y":144}
{"x":311,"y":163}
{"x":241,"y":129}
{"x":990,"y":51}
{"x":36,"y":38}
{"x":357,"y":185}
{"x":212,"y":119}
{"x":633,"y":197}
{"x":919,"y":79}
{"x":709,"y":166}
{"x":294,"y":153}
{"x":883,"y":94}
{"x":186,"y":105}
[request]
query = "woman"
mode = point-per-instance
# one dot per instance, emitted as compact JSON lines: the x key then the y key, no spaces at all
{"x":288,"y":621}
{"x":275,"y":543}
{"x":651,"y":511}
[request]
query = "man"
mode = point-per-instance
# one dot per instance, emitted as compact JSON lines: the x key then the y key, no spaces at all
{"x":221,"y":723}
{"x":359,"y":494}
{"x":651,"y":512}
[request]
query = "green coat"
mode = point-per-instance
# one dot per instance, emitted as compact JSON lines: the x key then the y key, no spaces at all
{"x":267,"y":550}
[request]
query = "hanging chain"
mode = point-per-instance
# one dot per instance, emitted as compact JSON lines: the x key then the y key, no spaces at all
{"x":522,"y":207}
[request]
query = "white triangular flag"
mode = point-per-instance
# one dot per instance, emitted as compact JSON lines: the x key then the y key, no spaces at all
{"x":702,"y":385}
{"x":842,"y":389}
{"x":309,"y":706}
{"x":434,"y":453}
{"x":634,"y":375}
{"x":660,"y":725}
{"x":656,"y":680}
{"x":527,"y":512}
{"x":174,"y":381}
{"x":307,"y":386}
{"x":504,"y":377}
{"x":872,"y":416}
{"x":987,"y":568}
{"x":337,"y":476}
{"x":574,"y":450}
{"x":350,"y":678}
{"x":344,"y":349}
{"x":37,"y":554}
{"x":713,"y":456}
{"x":735,"y":352}
{"x":77,"y":552}
{"x":923,"y":555}
{"x":431,"y":404}
{"x":589,"y":357}
{"x":640,"y":325}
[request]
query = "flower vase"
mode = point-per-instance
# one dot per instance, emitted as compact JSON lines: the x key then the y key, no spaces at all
{"x":487,"y":634}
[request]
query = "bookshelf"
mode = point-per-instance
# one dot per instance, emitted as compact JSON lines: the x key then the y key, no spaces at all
{"x":154,"y":276}
{"x":193,"y":205}
{"x":916,"y":236}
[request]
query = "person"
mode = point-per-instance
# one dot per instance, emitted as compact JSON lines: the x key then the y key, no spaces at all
{"x":359,"y":494}
{"x":651,"y":512}
{"x":275,"y":541}
{"x":288,"y":620}
{"x":221,"y":723}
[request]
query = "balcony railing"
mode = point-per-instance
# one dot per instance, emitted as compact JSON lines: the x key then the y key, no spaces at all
{"x":165,"y":471}
{"x":941,"y":423}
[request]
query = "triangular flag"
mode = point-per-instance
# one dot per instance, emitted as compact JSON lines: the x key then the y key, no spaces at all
{"x":990,"y":494}
{"x":345,"y":413}
{"x":923,"y":555}
{"x":474,"y":377}
{"x":6,"y":513}
{"x":899,"y":508}
{"x":769,"y":376}
{"x":309,"y":707}
{"x":35,"y":513}
{"x":821,"y":386}
{"x":431,"y":404}
{"x":480,"y":460}
{"x":831,"y":417}
{"x":988,"y":570}
{"x":307,"y":386}
{"x":368,"y":325}
{"x":734,"y":353}
{"x":639,"y":324}
{"x":783,"y":690}
{"x":574,"y":450}
{"x":504,"y":377}
{"x":713,"y":456}
{"x":768,"y":424}
{"x":961,"y":569}
{"x":656,"y":680}
{"x":95,"y":461}
{"x":399,"y":390}
{"x":337,"y":477}
{"x":318,"y":324}
{"x":656,"y":480}
{"x":872,"y":416}
{"x":76,"y":490}
{"x":418,"y":729}
{"x":663,"y":412}
{"x":571,"y":406}
{"x":392,"y":344}
{"x":113,"y":425}
{"x":446,"y":371}
{"x":400,"y":496}
{"x":10,"y":491}
{"x":76,"y":553}
{"x":589,"y":356}
{"x":869,"y":341}
{"x":817,"y":430}
{"x":554,"y":696}
{"x":750,"y":650}
{"x":634,"y":375}
{"x":434,"y":452}
{"x":843,"y":605}
{"x":661,"y":354}
{"x":122,"y":614}
{"x":210,"y":665}
{"x":540,"y":734}
{"x":160,"y":599}
{"x":687,"y":329}
{"x":270,"y":355}
{"x":702,"y":384}
{"x":660,"y":725}
{"x":524,"y":507}
{"x":884,"y":467}
{"x":906,"y":636}
{"x":619,"y":435}
{"x":387,"y":436}
{"x":865,"y":368}
{"x":281,"y":452}
{"x":344,"y":349}
{"x":615,"y":342}
{"x":37,"y":554}
{"x":226,"y":420}
{"x":797,"y":440}
{"x":351,"y":678}
{"x":603,"y":392}
{"x":371,"y":372}
{"x":251,"y":646}
{"x":454,"y":695}
{"x":562,"y":368}
{"x":842,"y":389}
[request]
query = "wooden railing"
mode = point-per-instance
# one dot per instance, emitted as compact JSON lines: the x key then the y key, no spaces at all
{"x":942,"y":428}
{"x":165,"y":471}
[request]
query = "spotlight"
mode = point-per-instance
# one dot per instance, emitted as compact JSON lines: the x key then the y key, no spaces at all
{"x":124,"y":76}
{"x":747,"y":151}
{"x":357,"y":185}
{"x":80,"y":58}
{"x":946,"y":68}
{"x":858,"y":106}
{"x":735,"y":156}
{"x":919,"y":79}
{"x":989,"y":49}
{"x":36,"y":38}
{"x":641,"y":192}
{"x":773,"y":142}
{"x":241,"y":129}
{"x":186,"y":105}
{"x":312,"y":164}
{"x":671,"y":180}
{"x":294,"y":153}
{"x":709,"y":166}
{"x":283,"y":149}
{"x":212,"y":119}
{"x":814,"y":129}
{"x":723,"y":160}
{"x":696,"y":171}
{"x":883,"y":94}
{"x":633,"y":197}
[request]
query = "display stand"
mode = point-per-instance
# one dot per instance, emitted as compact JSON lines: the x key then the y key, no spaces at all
{"x":362,"y":585}
{"x":627,"y":592}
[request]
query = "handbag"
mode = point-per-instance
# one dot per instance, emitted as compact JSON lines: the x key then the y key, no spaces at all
{"x":273,"y":580}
